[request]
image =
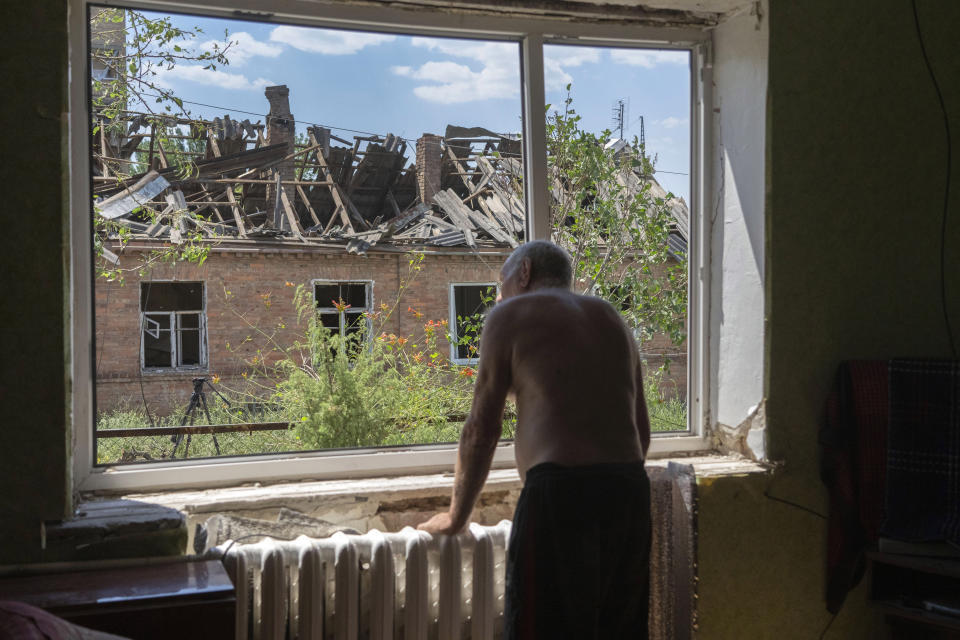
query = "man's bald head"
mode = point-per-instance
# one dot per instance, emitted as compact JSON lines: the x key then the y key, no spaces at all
{"x":549,"y":264}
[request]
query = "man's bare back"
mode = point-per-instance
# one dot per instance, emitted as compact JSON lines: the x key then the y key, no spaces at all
{"x":574,"y":372}
{"x":582,"y":433}
{"x":573,"y":368}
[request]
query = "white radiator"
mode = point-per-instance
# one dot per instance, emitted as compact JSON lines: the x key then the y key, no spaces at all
{"x":375,"y":586}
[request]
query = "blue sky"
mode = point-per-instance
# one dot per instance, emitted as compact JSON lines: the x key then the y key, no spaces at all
{"x":410,"y":85}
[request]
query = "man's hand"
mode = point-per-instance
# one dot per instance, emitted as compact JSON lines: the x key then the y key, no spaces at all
{"x":441,"y":523}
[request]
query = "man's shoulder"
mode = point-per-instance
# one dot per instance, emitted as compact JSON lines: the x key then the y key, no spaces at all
{"x":553,"y":303}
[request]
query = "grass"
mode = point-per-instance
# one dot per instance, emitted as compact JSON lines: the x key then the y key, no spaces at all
{"x":667,"y":411}
{"x":666,"y":414}
{"x":140,"y":448}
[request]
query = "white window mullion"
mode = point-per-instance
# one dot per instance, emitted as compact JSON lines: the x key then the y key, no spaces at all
{"x":174,"y":339}
{"x":699,"y":399}
{"x":203,"y":338}
{"x":535,"y":139}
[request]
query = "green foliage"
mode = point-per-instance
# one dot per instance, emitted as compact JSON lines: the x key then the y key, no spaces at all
{"x":470,"y":326}
{"x":367,"y":389}
{"x":615,"y":230}
{"x":134,"y":50}
{"x":129,"y":52}
{"x":146,"y":448}
{"x":666,"y":409}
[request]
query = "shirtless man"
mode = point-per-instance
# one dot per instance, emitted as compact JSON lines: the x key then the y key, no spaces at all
{"x":578,"y":564}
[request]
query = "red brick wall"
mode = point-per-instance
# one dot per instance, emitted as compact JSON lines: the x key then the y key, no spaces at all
{"x":248,"y":299}
{"x":429,"y":159}
{"x":246,"y":291}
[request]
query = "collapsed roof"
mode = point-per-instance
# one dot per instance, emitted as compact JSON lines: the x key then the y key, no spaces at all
{"x":226,"y":179}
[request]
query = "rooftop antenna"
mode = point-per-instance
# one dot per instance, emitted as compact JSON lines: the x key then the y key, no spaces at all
{"x":621,"y":115}
{"x":643,"y":135}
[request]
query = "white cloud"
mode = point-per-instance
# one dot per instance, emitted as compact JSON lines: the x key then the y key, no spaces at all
{"x":214,"y":77}
{"x":449,"y":82}
{"x":327,"y":41}
{"x":571,"y":56}
{"x":491,"y":69}
{"x":648,"y":58}
{"x":243,"y":47}
{"x":557,"y":59}
{"x":671,"y":122}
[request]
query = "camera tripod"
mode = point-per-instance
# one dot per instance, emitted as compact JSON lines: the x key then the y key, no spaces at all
{"x":199,"y":398}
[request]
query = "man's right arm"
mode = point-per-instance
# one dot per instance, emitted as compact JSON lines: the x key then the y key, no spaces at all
{"x":483,"y":426}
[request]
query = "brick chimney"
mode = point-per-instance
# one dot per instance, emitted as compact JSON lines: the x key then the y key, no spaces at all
{"x":429,"y":158}
{"x":280,"y":130}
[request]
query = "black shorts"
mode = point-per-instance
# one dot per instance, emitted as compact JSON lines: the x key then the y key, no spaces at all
{"x":578,"y":564}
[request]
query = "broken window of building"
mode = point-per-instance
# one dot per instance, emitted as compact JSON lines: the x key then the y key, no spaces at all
{"x":173,"y":320}
{"x":469,"y":302}
{"x":101,"y":67}
{"x":344,"y":307}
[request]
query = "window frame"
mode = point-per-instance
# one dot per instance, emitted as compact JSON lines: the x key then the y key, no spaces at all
{"x":531,"y":33}
{"x":453,"y":319}
{"x":368,"y":299}
{"x":175,"y":335}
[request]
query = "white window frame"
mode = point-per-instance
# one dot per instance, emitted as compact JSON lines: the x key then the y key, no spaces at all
{"x":175,"y":335}
{"x":531,"y":33}
{"x":368,"y":299}
{"x":453,"y":319}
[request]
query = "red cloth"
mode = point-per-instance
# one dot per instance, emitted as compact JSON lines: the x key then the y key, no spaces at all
{"x":890,"y":457}
{"x":853,"y":466}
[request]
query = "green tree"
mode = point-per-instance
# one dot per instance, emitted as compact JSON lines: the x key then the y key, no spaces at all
{"x":616,"y":229}
{"x":130,"y":49}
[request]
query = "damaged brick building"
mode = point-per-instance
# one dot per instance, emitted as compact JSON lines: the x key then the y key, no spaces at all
{"x":267,"y":212}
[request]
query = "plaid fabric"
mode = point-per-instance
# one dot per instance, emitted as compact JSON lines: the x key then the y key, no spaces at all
{"x":923,"y":454}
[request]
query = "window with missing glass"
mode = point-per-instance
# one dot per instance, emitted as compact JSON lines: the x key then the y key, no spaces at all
{"x":344,"y":306}
{"x":173,"y":326}
{"x":469,"y":303}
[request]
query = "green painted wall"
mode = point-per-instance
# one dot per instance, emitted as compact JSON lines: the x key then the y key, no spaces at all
{"x":856,"y":174}
{"x":33,"y":435}
{"x":856,"y":161}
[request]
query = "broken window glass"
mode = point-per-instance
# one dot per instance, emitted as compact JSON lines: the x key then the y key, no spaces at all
{"x":157,"y":345}
{"x":343,"y":308}
{"x":188,"y":333}
{"x":470,"y":303}
{"x":173,"y":324}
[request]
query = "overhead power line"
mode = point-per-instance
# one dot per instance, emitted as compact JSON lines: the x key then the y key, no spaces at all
{"x":334,"y":127}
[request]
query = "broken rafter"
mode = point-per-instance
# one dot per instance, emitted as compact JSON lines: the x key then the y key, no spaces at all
{"x":235,"y":209}
{"x":342,"y":202}
{"x":458,"y":213}
{"x":491,"y":224}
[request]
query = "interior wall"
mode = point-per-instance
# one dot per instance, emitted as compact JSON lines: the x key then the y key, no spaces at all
{"x":855,"y":164}
{"x":33,"y":343}
{"x":856,"y":155}
{"x":736,"y":208}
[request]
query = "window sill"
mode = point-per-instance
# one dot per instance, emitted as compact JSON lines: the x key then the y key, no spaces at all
{"x":174,"y":371}
{"x":386,"y":503}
